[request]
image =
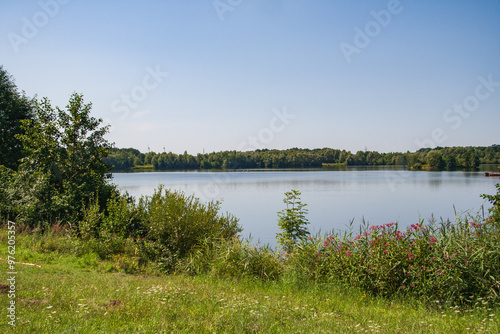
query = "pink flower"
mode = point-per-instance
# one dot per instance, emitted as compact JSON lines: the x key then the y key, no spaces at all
{"x":400,"y":235}
{"x":433,"y":240}
{"x":347,"y":253}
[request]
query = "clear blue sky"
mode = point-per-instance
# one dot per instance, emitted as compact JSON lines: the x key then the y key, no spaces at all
{"x":386,"y":75}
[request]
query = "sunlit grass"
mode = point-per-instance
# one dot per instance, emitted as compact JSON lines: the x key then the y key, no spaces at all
{"x":68,"y":295}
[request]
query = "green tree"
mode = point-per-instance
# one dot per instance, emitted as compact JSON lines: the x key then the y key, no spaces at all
{"x":14,"y":107}
{"x":450,"y":162}
{"x":435,"y":159}
{"x":471,"y":160}
{"x":63,"y":170}
{"x":292,"y":221}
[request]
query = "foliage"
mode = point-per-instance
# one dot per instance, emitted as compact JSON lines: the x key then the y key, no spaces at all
{"x":124,"y":158}
{"x":449,"y":158}
{"x":177,"y":223}
{"x":6,"y":192}
{"x":62,"y":170}
{"x":453,"y":264}
{"x":14,"y":107}
{"x":292,"y":221}
{"x":71,"y":293}
{"x":165,"y":227}
{"x":495,"y":202}
{"x":234,"y":258}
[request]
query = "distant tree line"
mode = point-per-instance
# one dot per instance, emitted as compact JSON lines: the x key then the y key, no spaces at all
{"x":441,"y":158}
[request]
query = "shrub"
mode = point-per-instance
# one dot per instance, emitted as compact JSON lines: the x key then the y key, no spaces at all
{"x":292,"y":221}
{"x":495,"y":201}
{"x":163,"y":228}
{"x":448,"y":263}
{"x":177,"y":223}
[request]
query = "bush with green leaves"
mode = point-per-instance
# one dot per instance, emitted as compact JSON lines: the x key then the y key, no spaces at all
{"x":495,"y":202}
{"x":453,"y":264}
{"x":292,"y":221}
{"x":165,"y":227}
{"x":177,"y":223}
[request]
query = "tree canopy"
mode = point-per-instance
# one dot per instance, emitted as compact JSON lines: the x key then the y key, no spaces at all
{"x":14,"y":107}
{"x":62,"y":170}
{"x":449,"y":158}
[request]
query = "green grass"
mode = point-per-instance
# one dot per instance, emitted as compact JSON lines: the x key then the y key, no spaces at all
{"x":71,"y":294}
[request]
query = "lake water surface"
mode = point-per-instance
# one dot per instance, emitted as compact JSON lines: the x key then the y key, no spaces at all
{"x":334,"y":198}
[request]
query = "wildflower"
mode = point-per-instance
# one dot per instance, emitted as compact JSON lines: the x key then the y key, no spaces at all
{"x":433,"y":240}
{"x":400,"y":235}
{"x":347,"y":253}
{"x":385,"y":251}
{"x":416,"y":227}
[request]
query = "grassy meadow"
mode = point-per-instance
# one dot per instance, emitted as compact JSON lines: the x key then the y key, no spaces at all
{"x":75,"y":291}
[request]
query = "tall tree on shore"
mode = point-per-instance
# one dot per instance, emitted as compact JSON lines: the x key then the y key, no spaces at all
{"x":63,"y":170}
{"x":14,"y":107}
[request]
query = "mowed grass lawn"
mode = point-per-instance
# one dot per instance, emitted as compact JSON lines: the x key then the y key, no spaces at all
{"x":66,"y":295}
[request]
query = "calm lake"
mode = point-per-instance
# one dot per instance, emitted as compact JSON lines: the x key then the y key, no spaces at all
{"x":334,"y":197}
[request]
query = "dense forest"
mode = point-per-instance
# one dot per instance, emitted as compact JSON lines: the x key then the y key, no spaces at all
{"x":441,"y":158}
